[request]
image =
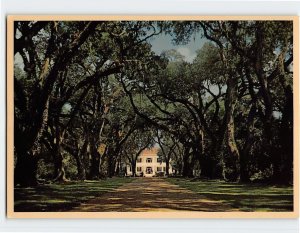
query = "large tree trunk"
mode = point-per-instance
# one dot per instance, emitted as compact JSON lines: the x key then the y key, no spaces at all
{"x":207,"y":161}
{"x":206,"y":164}
{"x":244,"y":160}
{"x":81,"y":173}
{"x":117,"y":168}
{"x":285,"y":176}
{"x":112,"y":161}
{"x":111,"y":166}
{"x":249,"y":135}
{"x":26,"y":169}
{"x":196,"y":158}
{"x":80,"y":165}
{"x":245,"y":152}
{"x":212,"y":162}
{"x":167,"y":166}
{"x":26,"y":164}
{"x":60,"y":174}
{"x":187,"y":169}
{"x":95,"y":160}
{"x":133,"y":167}
{"x":268,"y":101}
{"x":28,"y":149}
{"x":230,"y":102}
{"x":79,"y":154}
{"x":233,"y":150}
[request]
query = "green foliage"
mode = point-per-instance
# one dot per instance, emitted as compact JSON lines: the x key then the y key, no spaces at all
{"x":45,"y":169}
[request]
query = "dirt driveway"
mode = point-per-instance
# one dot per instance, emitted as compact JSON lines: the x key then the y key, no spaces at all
{"x":151,"y":194}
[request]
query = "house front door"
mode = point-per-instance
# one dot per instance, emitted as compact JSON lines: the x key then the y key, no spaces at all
{"x":149,"y":170}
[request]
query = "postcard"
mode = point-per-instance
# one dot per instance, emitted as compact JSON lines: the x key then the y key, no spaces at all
{"x":152,"y":117}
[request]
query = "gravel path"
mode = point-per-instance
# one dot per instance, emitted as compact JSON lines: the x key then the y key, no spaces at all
{"x":151,"y":194}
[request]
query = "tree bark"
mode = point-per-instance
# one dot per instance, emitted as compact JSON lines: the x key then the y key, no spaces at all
{"x":60,"y":174}
{"x":25,"y":149}
{"x":285,"y":175}
{"x":81,"y":172}
{"x":167,"y":167}
{"x":133,"y":167}
{"x":187,"y":169}
{"x":230,"y":127}
{"x":95,"y":160}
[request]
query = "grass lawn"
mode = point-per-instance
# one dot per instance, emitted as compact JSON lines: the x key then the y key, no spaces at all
{"x":245,"y":197}
{"x":62,"y":197}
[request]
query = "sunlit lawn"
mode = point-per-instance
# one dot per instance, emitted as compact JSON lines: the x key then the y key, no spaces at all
{"x":245,"y":197}
{"x":62,"y":197}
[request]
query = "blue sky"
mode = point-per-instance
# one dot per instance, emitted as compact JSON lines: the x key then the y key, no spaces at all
{"x":164,"y":42}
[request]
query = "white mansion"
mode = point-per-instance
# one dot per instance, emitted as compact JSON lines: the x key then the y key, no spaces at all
{"x":149,"y":164}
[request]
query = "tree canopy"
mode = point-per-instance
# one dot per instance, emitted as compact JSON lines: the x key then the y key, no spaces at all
{"x":90,"y":96}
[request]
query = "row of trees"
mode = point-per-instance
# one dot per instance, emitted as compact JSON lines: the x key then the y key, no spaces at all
{"x":93,"y":95}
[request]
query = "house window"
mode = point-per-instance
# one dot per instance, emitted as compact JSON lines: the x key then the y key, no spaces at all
{"x":148,"y":160}
{"x":159,"y":169}
{"x":130,"y":169}
{"x":164,"y":169}
{"x":159,"y":160}
{"x":139,"y":160}
{"x":139,"y":169}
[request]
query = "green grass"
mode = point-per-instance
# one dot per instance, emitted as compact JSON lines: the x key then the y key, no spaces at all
{"x":245,"y":197}
{"x":62,"y":197}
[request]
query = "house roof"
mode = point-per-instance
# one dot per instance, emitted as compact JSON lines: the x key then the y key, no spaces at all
{"x":151,"y":151}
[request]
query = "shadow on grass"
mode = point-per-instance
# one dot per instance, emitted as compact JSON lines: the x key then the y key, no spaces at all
{"x":245,"y":197}
{"x":62,"y":197}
